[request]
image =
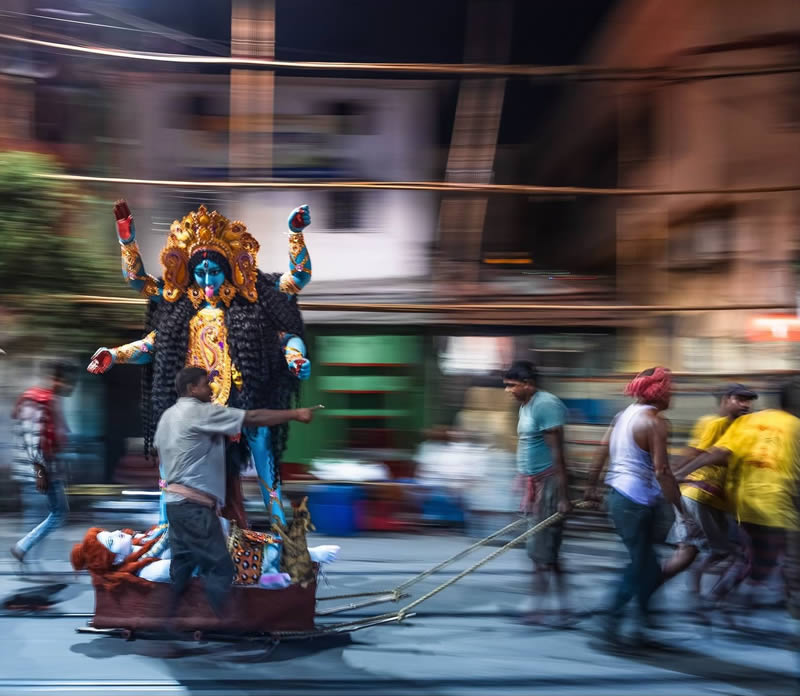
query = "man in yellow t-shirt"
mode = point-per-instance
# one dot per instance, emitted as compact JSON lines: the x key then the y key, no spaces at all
{"x":704,"y":524}
{"x":762,"y":454}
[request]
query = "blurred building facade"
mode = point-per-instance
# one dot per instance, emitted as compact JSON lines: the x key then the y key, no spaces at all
{"x":693,"y":250}
{"x":179,"y":128}
{"x":385,"y":376}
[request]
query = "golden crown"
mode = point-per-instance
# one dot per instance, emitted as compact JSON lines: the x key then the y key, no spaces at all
{"x":203,"y":231}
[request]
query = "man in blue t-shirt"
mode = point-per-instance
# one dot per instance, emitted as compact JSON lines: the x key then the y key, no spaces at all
{"x":541,"y":464}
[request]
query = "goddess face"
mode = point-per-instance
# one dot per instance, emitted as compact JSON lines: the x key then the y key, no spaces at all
{"x":209,"y":276}
{"x":118,"y":542}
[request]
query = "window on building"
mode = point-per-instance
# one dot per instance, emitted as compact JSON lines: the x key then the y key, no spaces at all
{"x":350,"y":117}
{"x":68,"y":115}
{"x":702,"y":240}
{"x":346,"y":210}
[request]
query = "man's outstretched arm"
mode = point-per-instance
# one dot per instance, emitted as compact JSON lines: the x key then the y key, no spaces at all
{"x":266,"y":417}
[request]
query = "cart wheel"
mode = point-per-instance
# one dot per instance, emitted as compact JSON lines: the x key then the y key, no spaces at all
{"x":197,"y":635}
{"x":127,"y":634}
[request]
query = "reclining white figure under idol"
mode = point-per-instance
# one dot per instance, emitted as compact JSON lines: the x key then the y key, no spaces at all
{"x":123,"y":555}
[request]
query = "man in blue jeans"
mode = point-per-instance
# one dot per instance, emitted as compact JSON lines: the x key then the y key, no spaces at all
{"x":41,"y":438}
{"x":640,"y":480}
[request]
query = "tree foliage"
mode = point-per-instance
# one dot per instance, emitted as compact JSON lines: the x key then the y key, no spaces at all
{"x":56,"y":243}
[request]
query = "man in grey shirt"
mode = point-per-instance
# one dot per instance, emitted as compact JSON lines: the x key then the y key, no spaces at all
{"x":190,"y":439}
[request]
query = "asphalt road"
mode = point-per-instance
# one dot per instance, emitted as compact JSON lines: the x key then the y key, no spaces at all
{"x":467,"y":640}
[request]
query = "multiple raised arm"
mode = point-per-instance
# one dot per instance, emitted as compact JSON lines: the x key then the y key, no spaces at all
{"x":294,"y":350}
{"x":299,"y":273}
{"x":132,"y":266}
{"x":141,"y":352}
{"x":136,"y":353}
{"x":291,"y":282}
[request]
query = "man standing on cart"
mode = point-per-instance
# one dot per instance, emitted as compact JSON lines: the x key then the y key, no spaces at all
{"x":190,"y":439}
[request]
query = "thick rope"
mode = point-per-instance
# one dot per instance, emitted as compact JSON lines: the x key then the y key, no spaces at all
{"x":424,"y":574}
{"x":553,"y":519}
{"x":430,"y":571}
{"x":356,"y":594}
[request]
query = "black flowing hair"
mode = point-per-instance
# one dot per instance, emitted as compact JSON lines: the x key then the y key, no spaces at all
{"x":254,"y":345}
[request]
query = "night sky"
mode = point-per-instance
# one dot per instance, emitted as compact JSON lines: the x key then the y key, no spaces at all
{"x":553,"y":32}
{"x":546,"y":32}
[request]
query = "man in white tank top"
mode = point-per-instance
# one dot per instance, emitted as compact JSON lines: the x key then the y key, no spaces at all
{"x":639,"y":478}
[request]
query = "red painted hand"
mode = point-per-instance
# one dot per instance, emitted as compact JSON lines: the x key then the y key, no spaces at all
{"x":125,"y":229}
{"x":101,"y":361}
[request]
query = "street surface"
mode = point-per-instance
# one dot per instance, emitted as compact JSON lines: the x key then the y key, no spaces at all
{"x":467,"y":640}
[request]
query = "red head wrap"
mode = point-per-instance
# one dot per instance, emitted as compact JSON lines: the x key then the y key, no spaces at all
{"x":651,"y":388}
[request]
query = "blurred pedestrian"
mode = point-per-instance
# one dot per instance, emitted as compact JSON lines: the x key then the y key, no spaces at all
{"x":41,"y":436}
{"x":704,"y":524}
{"x":542,"y":466}
{"x":190,"y":439}
{"x":762,"y":454}
{"x":640,"y":479}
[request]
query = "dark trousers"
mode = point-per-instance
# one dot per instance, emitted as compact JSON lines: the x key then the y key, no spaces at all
{"x":791,"y":572}
{"x":637,"y":525}
{"x":196,"y":541}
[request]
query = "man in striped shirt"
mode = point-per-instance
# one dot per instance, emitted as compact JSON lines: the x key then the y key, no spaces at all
{"x":41,"y":435}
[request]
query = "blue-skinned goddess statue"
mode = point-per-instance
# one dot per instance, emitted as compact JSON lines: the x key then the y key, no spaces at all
{"x":213,"y":308}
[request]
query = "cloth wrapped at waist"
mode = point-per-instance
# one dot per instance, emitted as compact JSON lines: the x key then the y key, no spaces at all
{"x":192,"y":495}
{"x":531,"y":486}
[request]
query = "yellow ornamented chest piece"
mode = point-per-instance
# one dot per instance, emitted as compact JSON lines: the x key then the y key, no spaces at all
{"x":209,"y":349}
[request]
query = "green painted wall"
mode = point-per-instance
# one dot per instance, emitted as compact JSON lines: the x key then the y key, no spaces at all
{"x":366,"y":382}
